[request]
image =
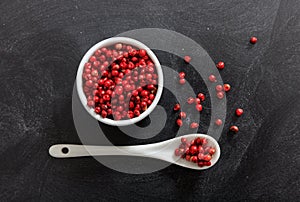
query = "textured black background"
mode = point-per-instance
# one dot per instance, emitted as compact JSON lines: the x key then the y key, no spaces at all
{"x":41,"y":44}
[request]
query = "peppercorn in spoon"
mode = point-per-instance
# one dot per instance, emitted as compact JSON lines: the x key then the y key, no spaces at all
{"x":194,"y":151}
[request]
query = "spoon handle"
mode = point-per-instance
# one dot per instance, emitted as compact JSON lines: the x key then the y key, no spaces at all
{"x":70,"y":150}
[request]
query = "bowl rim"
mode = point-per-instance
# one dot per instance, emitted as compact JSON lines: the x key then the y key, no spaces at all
{"x":105,"y":43}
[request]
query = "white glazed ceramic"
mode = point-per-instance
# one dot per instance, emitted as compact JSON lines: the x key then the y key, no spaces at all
{"x":106,"y":43}
{"x":161,"y":150}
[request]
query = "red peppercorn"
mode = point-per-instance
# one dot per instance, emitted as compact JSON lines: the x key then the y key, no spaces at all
{"x":198,"y":141}
{"x":142,"y":53}
{"x":194,"y":159}
{"x":187,"y":59}
{"x":193,"y":150}
{"x":220,"y":65}
{"x":212,"y":151}
{"x":207,"y":157}
{"x":151,"y":96}
{"x":181,"y":75}
{"x":91,"y":103}
{"x":96,"y":99}
{"x":97,"y":110}
{"x":234,"y":129}
{"x":226,"y":87}
{"x":204,"y":141}
{"x":176,"y":107}
{"x":199,"y":107}
{"x":114,"y":73}
{"x":182,"y":81}
{"x":94,"y":73}
{"x":179,"y":122}
{"x":220,"y":95}
{"x":89,"y":83}
{"x":212,"y":78}
{"x":201,"y":155}
{"x":201,"y":164}
{"x":119,"y":90}
{"x":200,"y":149}
{"x":253,"y":40}
{"x":182,"y":115}
{"x":201,"y":96}
{"x":107,"y":83}
{"x":197,"y":101}
{"x":106,"y":97}
{"x":102,"y":58}
{"x":177,"y":152}
{"x":93,"y":59}
{"x":187,"y":148}
{"x":144,"y":93}
{"x":181,"y":151}
{"x":190,"y":100}
{"x":87,"y":65}
{"x":136,"y":112}
{"x":183,"y":140}
{"x":194,"y":125}
{"x":118,"y":46}
{"x":239,"y":111}
{"x":219,"y":87}
{"x":103,"y":114}
{"x":188,"y":157}
{"x":218,"y":122}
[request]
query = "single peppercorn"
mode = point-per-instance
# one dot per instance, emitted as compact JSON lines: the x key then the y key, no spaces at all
{"x":220,"y":65}
{"x":179,"y":122}
{"x":194,"y":125}
{"x":182,"y":81}
{"x":193,"y":149}
{"x":190,"y":100}
{"x":201,"y":96}
{"x":187,"y":59}
{"x":176,"y":107}
{"x":212,"y":78}
{"x":234,"y":129}
{"x":198,"y":107}
{"x":253,"y":40}
{"x":226,"y":87}
{"x":181,"y":75}
{"x":218,"y":122}
{"x":220,"y":95}
{"x":239,"y":111}
{"x":182,"y":115}
{"x":183,"y":140}
{"x":219,"y":88}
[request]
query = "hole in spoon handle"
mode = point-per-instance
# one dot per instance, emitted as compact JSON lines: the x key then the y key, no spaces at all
{"x":67,"y":151}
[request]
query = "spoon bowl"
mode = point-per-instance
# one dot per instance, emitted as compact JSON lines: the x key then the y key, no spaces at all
{"x":161,"y":150}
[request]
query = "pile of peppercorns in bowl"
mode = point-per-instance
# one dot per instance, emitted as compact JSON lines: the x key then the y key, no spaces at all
{"x":119,"y":81}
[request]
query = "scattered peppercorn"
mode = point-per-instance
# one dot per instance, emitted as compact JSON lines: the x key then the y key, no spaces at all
{"x":234,"y":129}
{"x":239,"y":111}
{"x":220,"y":65}
{"x":187,"y":59}
{"x":226,"y":87}
{"x":253,"y":40}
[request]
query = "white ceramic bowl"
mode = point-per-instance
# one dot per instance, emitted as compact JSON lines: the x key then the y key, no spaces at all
{"x":106,"y":43}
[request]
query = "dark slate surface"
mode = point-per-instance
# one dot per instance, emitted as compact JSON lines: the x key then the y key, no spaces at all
{"x":41,"y":44}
